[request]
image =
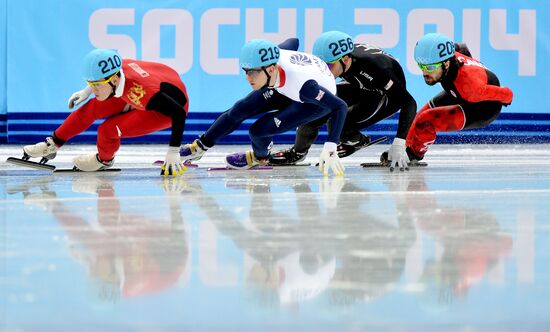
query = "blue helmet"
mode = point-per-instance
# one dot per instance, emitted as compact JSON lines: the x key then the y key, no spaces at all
{"x":259,"y":53}
{"x":101,"y":63}
{"x":433,"y":48}
{"x":332,"y":45}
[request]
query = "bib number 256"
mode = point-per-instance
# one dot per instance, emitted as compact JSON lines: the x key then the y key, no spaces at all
{"x":343,"y":46}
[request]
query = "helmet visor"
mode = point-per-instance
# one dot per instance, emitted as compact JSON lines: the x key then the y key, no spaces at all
{"x":95,"y":84}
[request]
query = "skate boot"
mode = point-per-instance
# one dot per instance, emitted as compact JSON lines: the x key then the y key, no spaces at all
{"x":347,"y":148}
{"x":286,"y":157}
{"x":244,"y":160}
{"x":46,"y":150}
{"x":193,"y":151}
{"x":413,"y":158}
{"x":91,"y":163}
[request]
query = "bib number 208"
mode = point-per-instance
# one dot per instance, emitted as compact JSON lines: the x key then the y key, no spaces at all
{"x":445,"y":49}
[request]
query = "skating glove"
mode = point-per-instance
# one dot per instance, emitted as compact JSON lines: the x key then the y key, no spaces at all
{"x":79,"y":97}
{"x":172,"y":163}
{"x":329,"y":160}
{"x":398,"y":155}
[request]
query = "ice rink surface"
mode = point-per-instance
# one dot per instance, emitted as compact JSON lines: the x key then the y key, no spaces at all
{"x":461,"y":245}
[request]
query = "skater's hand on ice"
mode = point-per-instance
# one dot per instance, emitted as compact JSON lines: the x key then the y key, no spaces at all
{"x":329,"y":160}
{"x":398,"y":155}
{"x":172,"y":163}
{"x":79,"y":97}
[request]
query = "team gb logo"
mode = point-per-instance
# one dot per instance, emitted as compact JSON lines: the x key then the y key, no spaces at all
{"x":300,"y":59}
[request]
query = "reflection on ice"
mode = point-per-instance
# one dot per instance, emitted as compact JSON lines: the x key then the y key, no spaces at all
{"x":285,"y":248}
{"x":125,"y":254}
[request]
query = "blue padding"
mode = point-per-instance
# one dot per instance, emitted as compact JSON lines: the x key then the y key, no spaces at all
{"x":516,"y":128}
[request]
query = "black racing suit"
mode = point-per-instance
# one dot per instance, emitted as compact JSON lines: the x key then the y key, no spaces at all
{"x":374,"y":88}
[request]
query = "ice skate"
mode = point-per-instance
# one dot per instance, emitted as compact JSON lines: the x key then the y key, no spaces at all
{"x":193,"y":151}
{"x":46,"y":150}
{"x":244,"y":160}
{"x":347,"y":148}
{"x":91,"y":163}
{"x":286,"y":157}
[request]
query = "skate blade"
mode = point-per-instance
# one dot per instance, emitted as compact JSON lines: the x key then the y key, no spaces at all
{"x":256,"y":168}
{"x":30,"y":164}
{"x":380,"y":165}
{"x":341,"y":154}
{"x":377,"y":141}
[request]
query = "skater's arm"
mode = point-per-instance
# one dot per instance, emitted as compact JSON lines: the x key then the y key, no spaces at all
{"x":475,"y":89}
{"x":311,"y":92}
{"x":406,"y":115}
{"x":397,"y":94}
{"x":171,"y":102}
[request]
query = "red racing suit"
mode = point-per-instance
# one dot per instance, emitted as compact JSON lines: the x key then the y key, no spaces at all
{"x":472,"y":98}
{"x":149,"y":98}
